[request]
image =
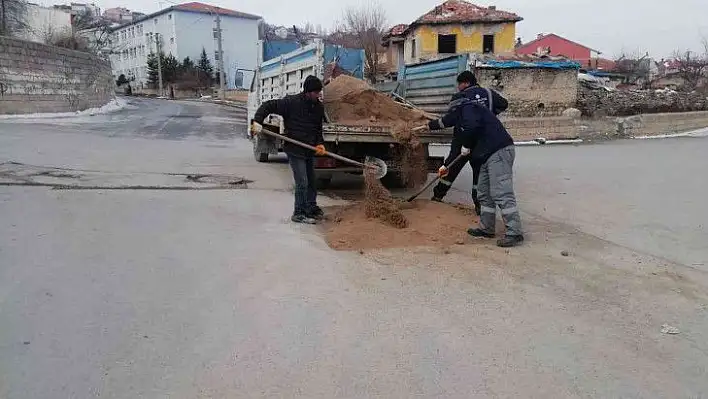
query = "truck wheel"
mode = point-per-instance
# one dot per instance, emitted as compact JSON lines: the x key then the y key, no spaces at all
{"x":393,"y":180}
{"x":324,"y":182}
{"x":259,"y":156}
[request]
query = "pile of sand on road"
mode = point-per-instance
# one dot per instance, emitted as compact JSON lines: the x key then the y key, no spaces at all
{"x":428,"y":223}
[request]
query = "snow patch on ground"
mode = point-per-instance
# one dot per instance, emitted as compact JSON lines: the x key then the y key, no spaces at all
{"x":693,"y":133}
{"x":114,"y":105}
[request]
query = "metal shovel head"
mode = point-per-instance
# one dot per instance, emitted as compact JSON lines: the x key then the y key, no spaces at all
{"x":376,"y":166}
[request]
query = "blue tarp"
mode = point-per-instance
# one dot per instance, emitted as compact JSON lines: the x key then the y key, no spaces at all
{"x":276,"y":48}
{"x":534,"y":64}
{"x":351,"y":60}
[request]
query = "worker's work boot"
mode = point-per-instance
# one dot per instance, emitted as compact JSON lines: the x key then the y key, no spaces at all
{"x":304,"y":219}
{"x":480,"y":233}
{"x":510,"y":241}
{"x":316,"y":213}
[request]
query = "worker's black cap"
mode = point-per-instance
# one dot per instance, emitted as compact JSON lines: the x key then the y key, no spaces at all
{"x":312,"y":83}
{"x":467,"y":77}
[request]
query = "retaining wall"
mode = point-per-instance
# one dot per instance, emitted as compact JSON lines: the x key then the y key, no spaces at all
{"x":36,"y":78}
{"x":524,"y":129}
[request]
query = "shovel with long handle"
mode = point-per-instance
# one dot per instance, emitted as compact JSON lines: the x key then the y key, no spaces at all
{"x":435,"y":180}
{"x":371,"y":162}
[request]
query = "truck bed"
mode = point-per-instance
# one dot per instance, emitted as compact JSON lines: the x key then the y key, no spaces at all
{"x":339,"y":133}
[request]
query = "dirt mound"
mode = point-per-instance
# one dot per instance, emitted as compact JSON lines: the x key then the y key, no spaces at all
{"x":429,"y":224}
{"x":351,"y":101}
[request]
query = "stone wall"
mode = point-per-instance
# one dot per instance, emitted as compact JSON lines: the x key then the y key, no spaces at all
{"x":533,"y":91}
{"x":660,"y":124}
{"x":554,"y":128}
{"x":601,"y":102}
{"x":38,"y":78}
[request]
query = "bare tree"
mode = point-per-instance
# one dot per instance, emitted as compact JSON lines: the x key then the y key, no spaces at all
{"x":366,"y":24}
{"x":692,"y":67}
{"x":635,"y":66}
{"x":13,"y":17}
{"x":90,"y":33}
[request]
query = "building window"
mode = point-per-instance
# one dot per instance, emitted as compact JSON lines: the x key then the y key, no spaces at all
{"x":169,"y":16}
{"x":488,"y":44}
{"x":413,"y":48}
{"x":155,"y":21}
{"x":216,"y":55}
{"x":447,"y":44}
{"x":172,"y":40}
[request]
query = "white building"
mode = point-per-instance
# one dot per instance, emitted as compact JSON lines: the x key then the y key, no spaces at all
{"x":183,"y":31}
{"x":45,"y":23}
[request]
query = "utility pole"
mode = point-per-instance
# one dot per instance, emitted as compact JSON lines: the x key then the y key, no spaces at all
{"x":159,"y":63}
{"x":221,"y":55}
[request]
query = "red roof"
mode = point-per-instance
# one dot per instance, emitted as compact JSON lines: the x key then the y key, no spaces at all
{"x":209,"y":9}
{"x":397,"y":30}
{"x":541,"y":37}
{"x":460,"y":11}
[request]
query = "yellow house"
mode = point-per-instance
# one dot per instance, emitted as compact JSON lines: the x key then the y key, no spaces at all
{"x":453,"y":27}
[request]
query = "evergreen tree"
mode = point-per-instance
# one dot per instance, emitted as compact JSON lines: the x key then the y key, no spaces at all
{"x":170,"y":68}
{"x":152,"y":69}
{"x":206,"y":71}
{"x":187,"y":64}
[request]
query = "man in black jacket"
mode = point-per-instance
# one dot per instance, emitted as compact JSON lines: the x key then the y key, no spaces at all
{"x":467,"y":85}
{"x":478,"y":129}
{"x":303,"y":115}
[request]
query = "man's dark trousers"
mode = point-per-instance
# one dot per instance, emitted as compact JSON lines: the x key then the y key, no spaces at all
{"x":305,"y":185}
{"x":442,"y":188}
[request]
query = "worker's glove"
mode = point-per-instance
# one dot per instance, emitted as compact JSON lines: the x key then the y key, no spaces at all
{"x":256,"y":128}
{"x":442,"y":172}
{"x":465,"y":151}
{"x":320,"y":150}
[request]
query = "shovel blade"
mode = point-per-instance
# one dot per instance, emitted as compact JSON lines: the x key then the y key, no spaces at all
{"x":377,"y":166}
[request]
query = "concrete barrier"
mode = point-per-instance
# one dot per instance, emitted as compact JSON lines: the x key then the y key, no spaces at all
{"x":36,"y":78}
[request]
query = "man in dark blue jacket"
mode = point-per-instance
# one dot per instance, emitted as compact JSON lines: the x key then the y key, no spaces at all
{"x":467,"y":85}
{"x":303,"y":115}
{"x":482,"y":135}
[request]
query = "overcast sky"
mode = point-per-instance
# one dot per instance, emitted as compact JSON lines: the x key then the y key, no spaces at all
{"x":611,"y":26}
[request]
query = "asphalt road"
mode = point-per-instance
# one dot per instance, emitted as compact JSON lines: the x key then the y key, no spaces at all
{"x":647,"y":195}
{"x":205,"y":290}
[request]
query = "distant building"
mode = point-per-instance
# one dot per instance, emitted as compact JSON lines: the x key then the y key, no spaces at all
{"x":121,"y":15}
{"x":454,"y":27}
{"x":558,"y":46}
{"x":183,"y":31}
{"x":45,"y":23}
{"x":118,"y":14}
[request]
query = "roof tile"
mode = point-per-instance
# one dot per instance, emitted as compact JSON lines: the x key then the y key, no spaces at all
{"x":206,"y":8}
{"x":460,"y":11}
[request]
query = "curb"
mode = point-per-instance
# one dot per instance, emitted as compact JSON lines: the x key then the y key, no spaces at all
{"x":538,"y":141}
{"x":693,"y":133}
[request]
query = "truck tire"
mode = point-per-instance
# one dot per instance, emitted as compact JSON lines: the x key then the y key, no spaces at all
{"x":259,"y":156}
{"x":324,"y":182}
{"x":393,"y":180}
